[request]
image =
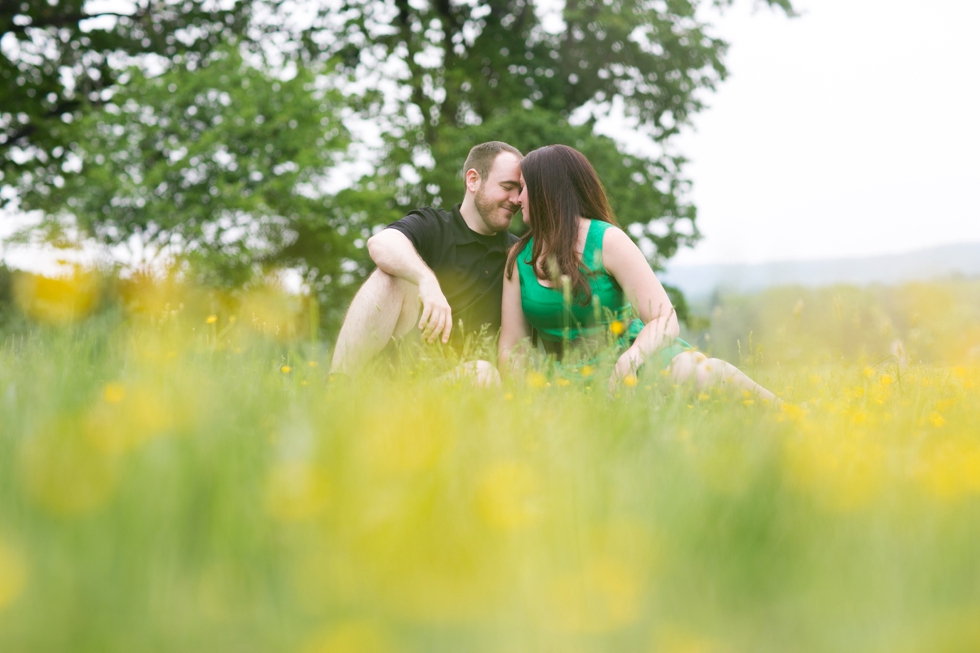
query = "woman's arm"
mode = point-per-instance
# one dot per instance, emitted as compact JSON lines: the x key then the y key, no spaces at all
{"x":626,"y":263}
{"x":513,"y":325}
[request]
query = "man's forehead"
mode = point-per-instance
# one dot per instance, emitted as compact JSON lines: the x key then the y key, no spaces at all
{"x":506,"y":167}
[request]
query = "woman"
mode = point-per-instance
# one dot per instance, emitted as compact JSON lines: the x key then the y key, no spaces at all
{"x":578,"y":278}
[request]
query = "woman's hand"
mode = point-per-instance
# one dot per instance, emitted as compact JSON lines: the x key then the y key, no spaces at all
{"x":626,"y":367}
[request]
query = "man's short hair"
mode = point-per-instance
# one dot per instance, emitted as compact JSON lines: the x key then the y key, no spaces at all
{"x":482,"y":156}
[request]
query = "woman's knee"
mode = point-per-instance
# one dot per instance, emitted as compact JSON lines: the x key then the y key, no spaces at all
{"x":712,"y":371}
{"x":684,"y":365}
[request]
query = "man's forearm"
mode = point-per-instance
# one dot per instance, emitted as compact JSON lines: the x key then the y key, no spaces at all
{"x":394,"y":254}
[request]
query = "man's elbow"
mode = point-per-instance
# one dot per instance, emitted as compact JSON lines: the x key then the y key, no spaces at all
{"x":376,"y":247}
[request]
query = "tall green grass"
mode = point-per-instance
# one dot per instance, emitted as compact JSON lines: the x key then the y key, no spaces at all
{"x":172,"y":480}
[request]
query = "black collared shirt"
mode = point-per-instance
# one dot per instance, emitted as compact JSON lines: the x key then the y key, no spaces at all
{"x":469,"y":266}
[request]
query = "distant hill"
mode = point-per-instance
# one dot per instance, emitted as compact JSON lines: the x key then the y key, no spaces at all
{"x":920,"y":265}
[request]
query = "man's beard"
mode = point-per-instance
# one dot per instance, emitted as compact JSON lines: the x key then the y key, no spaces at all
{"x":487,"y":211}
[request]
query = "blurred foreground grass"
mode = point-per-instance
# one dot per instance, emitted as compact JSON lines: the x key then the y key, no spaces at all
{"x":176,"y":480}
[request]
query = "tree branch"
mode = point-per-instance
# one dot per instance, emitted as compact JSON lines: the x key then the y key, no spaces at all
{"x":61,"y":21}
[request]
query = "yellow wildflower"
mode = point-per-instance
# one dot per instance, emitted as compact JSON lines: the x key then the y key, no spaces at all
{"x":352,"y":637}
{"x":114,"y":392}
{"x":536,"y":379}
{"x":286,"y":369}
{"x":791,"y":411}
{"x":588,"y":370}
{"x":603,"y":596}
{"x":56,"y":300}
{"x":507,"y":495}
{"x":630,"y":381}
{"x":949,"y":468}
{"x":211,"y":319}
{"x":617,"y":328}
{"x":13,"y":575}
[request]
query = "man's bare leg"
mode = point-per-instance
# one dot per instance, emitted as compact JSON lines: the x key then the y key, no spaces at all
{"x":385,"y":307}
{"x":481,"y":373}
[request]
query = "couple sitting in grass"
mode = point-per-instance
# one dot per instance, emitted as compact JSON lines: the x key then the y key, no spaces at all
{"x":572,"y":285}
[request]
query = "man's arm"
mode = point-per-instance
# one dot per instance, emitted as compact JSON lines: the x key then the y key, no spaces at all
{"x":394,"y":254}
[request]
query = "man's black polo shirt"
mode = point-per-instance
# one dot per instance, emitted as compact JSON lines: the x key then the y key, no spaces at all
{"x":469,"y":266}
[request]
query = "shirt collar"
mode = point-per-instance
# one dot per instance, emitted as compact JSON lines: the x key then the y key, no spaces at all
{"x":466,"y":235}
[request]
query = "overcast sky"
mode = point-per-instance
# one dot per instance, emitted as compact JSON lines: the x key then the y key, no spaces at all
{"x":850,"y":130}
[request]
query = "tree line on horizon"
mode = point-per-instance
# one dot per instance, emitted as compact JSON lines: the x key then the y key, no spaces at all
{"x":237,"y":138}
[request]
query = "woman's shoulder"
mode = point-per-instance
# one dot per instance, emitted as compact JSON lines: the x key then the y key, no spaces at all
{"x":601,"y":225}
{"x":522,"y":256}
{"x":608,"y":234}
{"x":615,"y":232}
{"x":527,"y":247}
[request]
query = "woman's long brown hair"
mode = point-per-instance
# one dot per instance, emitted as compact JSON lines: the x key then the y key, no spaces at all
{"x":561,"y":186}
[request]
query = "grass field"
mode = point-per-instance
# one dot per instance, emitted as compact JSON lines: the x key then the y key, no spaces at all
{"x":172,"y":479}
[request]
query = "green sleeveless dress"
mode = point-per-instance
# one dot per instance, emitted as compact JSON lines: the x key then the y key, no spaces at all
{"x":560,"y":319}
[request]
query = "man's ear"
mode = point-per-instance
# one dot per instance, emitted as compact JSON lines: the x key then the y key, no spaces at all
{"x":473,"y":180}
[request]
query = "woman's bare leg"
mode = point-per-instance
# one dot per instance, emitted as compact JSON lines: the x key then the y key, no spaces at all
{"x":707,"y":372}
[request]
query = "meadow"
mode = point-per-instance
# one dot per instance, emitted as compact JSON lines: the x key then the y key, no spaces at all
{"x":177,"y":473}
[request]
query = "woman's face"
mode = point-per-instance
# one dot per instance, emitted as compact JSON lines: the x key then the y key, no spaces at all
{"x":522,"y":200}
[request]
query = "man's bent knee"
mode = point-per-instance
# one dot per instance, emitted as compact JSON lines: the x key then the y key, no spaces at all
{"x":382,"y":309}
{"x":382,"y":285}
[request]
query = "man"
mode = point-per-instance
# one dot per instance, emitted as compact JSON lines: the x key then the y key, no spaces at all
{"x":448,"y":264}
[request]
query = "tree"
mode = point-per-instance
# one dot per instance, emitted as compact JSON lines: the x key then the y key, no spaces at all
{"x":59,"y":60}
{"x":456,"y":73}
{"x":215,"y":160}
{"x":130,"y":131}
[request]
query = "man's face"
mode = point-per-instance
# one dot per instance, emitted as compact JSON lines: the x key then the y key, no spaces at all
{"x":498,"y":197}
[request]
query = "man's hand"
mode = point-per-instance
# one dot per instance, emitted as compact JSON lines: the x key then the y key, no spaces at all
{"x":437,"y":316}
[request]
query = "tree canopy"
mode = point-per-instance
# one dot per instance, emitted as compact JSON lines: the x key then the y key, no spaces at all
{"x":447,"y":75}
{"x":214,"y":162}
{"x":61,"y":58}
{"x":167,"y":128}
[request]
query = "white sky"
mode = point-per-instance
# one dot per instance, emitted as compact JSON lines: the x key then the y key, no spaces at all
{"x":851,"y":130}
